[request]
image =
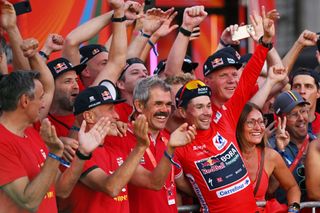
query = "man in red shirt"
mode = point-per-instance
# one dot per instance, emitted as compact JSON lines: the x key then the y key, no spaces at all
{"x":29,"y":175}
{"x":134,"y":71}
{"x":66,"y":90}
{"x":212,"y":162}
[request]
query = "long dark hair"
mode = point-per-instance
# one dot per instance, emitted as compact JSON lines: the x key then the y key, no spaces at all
{"x":249,"y":107}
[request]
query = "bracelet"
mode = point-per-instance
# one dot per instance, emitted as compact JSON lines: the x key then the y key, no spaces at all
{"x":185,"y":32}
{"x":122,"y":19}
{"x":224,"y":44}
{"x":82,"y":156}
{"x":63,"y":162}
{"x":294,"y":207}
{"x":267,"y":45}
{"x":154,"y":49}
{"x":44,"y":55}
{"x":75,"y":128}
{"x":144,"y":34}
{"x":166,"y":154}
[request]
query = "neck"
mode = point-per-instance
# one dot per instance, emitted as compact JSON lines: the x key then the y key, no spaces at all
{"x":55,"y":109}
{"x":154,"y":134}
{"x":216,"y":102}
{"x":311,"y":114}
{"x":248,"y":149}
{"x":172,"y":124}
{"x":298,"y":142}
{"x":128,"y":97}
{"x":14,"y":122}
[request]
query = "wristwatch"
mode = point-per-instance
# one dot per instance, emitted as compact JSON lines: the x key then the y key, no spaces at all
{"x":267,"y":45}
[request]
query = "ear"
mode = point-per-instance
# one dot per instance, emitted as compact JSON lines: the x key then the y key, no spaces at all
{"x":138,"y":106}
{"x":24,"y":101}
{"x":120,"y":84}
{"x":85,"y":73}
{"x":318,"y":93}
{"x":89,"y":117}
{"x":182,"y":112}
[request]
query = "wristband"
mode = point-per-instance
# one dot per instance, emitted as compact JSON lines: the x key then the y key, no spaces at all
{"x":41,"y":53}
{"x":122,"y":19}
{"x":75,"y":128}
{"x":171,"y":159}
{"x":82,"y":156}
{"x":267,"y":45}
{"x":154,"y":49}
{"x":294,"y":207}
{"x":62,"y":162}
{"x":185,"y":32}
{"x":144,"y":34}
{"x":224,"y":44}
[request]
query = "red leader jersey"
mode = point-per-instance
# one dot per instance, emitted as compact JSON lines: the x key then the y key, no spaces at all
{"x":316,"y":124}
{"x":22,"y":157}
{"x":143,"y":200}
{"x":86,"y":200}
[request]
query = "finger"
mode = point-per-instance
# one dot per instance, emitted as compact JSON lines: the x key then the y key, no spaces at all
{"x":83,"y":126}
{"x":67,"y":156}
{"x":263,"y":12}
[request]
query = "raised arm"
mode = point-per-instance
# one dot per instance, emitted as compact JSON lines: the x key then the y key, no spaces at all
{"x":29,"y":47}
{"x":306,"y":38}
{"x":313,"y":174}
{"x":8,"y":21}
{"x":192,"y":17}
{"x":155,"y":179}
{"x":53,"y":43}
{"x":112,"y":184}
{"x":117,"y":53}
{"x":83,"y":33}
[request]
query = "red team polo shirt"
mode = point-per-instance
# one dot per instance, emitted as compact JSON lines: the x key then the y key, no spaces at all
{"x":21,"y":157}
{"x":124,"y":110}
{"x":84,"y":199}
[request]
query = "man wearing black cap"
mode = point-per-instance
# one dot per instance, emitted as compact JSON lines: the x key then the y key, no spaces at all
{"x":307,"y":83}
{"x":95,"y":56}
{"x":66,"y":90}
{"x":212,"y":161}
{"x":292,"y":138}
{"x":102,"y":186}
{"x":134,"y":71}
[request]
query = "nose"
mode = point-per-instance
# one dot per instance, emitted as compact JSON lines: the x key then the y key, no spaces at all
{"x":75,"y":84}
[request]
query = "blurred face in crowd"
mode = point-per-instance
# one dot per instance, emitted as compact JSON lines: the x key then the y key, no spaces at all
{"x":306,"y":86}
{"x":36,"y":103}
{"x":198,"y":112}
{"x":96,"y":64}
{"x":66,"y":90}
{"x":254,"y":127}
{"x":131,"y":76}
{"x":105,"y":110}
{"x":157,"y":109}
{"x":297,"y":122}
{"x":223,"y":83}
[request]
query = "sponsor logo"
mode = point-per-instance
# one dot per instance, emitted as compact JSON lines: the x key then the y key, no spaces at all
{"x":231,"y":61}
{"x":219,"y":142}
{"x":119,"y":161}
{"x":199,"y":147}
{"x":217,"y":117}
{"x":233,"y":189}
{"x":91,"y":98}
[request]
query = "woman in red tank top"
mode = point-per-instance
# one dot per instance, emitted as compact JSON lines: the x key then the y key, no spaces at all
{"x":261,"y":161}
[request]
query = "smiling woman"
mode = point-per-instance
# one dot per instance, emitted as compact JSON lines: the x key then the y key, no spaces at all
{"x":261,"y":161}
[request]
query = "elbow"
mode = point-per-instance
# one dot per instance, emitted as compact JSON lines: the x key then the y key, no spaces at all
{"x":156,"y":185}
{"x":69,"y":41}
{"x":112,"y":191}
{"x":31,"y":206}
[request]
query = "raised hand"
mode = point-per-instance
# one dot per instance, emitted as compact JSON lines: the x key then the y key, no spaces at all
{"x":227,"y":34}
{"x":193,"y":16}
{"x":132,"y":10}
{"x":89,"y":141}
{"x":116,"y":4}
{"x":153,"y":20}
{"x":53,"y":43}
{"x":49,"y":135}
{"x":277,"y":73}
{"x":141,"y":131}
{"x":8,"y":18}
{"x":308,"y":38}
{"x":183,"y":135}
{"x":29,"y":47}
{"x":165,"y":27}
{"x":268,"y":24}
{"x":282,"y":136}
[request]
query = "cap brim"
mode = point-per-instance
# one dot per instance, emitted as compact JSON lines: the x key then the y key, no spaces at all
{"x":237,"y":66}
{"x":187,"y":68}
{"x":293,"y":105}
{"x":79,"y":68}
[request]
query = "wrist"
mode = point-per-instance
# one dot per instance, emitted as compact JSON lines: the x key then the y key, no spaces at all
{"x":59,"y":159}
{"x":82,"y":155}
{"x":170,"y":149}
{"x":187,"y":27}
{"x":46,"y":50}
{"x":266,"y":42}
{"x":266,"y":39}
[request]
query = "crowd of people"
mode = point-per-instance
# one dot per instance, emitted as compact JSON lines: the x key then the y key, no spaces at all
{"x":96,"y":131}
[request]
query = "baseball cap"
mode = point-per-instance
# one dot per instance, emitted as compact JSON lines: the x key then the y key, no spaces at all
{"x":131,"y":61}
{"x":89,"y":51}
{"x":304,"y":71}
{"x":222,"y":58}
{"x":190,"y":90}
{"x":63,"y":65}
{"x":245,"y":58}
{"x":286,"y":101}
{"x":187,"y":66}
{"x":91,"y":97}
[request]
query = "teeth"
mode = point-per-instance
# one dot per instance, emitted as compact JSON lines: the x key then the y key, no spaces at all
{"x":256,"y":134}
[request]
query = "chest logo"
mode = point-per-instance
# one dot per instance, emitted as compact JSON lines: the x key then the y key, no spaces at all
{"x":218,"y":141}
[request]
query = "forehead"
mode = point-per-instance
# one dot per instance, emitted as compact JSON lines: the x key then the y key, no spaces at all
{"x":254,"y":114}
{"x":69,"y":74}
{"x":137,"y":66}
{"x":298,"y":107}
{"x":158,"y":94}
{"x":303,"y":79}
{"x":203,"y":100}
{"x":224,"y":70}
{"x":98,"y":58}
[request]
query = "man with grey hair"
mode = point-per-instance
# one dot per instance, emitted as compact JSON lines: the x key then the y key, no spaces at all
{"x":154,"y":178}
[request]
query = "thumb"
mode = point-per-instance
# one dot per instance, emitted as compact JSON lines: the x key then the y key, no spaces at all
{"x":183,"y":127}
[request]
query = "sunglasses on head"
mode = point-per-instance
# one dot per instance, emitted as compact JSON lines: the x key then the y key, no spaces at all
{"x":191,"y":85}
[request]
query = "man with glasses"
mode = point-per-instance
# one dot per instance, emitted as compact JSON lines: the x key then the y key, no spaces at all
{"x":292,"y":138}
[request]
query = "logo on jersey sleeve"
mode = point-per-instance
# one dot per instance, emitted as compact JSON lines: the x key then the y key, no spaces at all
{"x":218,"y":141}
{"x":223,"y":169}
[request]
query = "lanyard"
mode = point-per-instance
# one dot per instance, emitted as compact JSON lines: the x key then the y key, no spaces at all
{"x":300,"y":153}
